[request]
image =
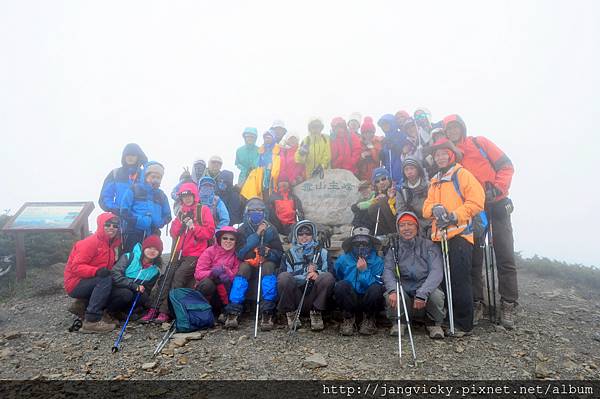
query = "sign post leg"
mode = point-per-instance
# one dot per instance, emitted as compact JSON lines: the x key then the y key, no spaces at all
{"x":20,"y":256}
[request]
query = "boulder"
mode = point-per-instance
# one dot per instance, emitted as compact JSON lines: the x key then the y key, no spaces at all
{"x":328,"y":200}
{"x":315,"y":361}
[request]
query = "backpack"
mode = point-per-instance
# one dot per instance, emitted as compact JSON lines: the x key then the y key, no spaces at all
{"x":191,"y":310}
{"x":479,"y":224}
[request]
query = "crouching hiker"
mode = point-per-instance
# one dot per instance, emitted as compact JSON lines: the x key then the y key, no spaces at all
{"x":262,"y":248}
{"x":305,"y":263}
{"x":359,"y":287}
{"x":136,"y":271}
{"x":420,"y":266}
{"x":87,"y":274}
{"x":217,"y":266}
{"x":191,"y":230}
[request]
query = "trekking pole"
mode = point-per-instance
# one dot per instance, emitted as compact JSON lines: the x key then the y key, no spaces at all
{"x":166,"y":275}
{"x":484,"y":248}
{"x":377,"y":221}
{"x":491,"y":257}
{"x":115,"y":347}
{"x":260,"y":263}
{"x":446,"y":259}
{"x":165,"y":339}
{"x":306,"y":286}
{"x":410,"y":336}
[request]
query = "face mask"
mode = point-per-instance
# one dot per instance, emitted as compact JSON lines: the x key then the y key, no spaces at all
{"x":360,"y":251}
{"x":155,"y":182}
{"x":206,"y":193}
{"x":199,"y":169}
{"x":256,"y":217}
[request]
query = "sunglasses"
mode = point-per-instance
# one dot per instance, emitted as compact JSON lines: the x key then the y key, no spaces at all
{"x":228,"y":239}
{"x":304,"y":233}
{"x":380,"y":180}
{"x":113,"y":225}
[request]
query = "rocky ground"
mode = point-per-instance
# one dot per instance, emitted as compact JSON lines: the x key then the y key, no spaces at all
{"x":557,"y":337}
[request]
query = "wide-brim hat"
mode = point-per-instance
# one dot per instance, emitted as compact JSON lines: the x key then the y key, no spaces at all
{"x":356,"y":232}
{"x":442,"y":144}
{"x":230,"y":230}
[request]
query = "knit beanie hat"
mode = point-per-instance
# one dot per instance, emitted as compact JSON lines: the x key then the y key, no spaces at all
{"x":154,"y":242}
{"x":155,"y":167}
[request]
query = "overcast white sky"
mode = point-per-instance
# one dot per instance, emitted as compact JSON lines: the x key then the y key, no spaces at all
{"x":80,"y":79}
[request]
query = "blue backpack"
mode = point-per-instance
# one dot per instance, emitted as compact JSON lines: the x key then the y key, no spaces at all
{"x":479,"y":224}
{"x":191,"y":310}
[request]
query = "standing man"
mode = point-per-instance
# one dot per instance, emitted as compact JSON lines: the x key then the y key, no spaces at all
{"x":494,"y":170}
{"x":314,"y":151}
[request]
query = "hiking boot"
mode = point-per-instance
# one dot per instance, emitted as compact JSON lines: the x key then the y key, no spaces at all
{"x":232,"y":321}
{"x":163,"y":318}
{"x":458,"y":333}
{"x":77,"y":307}
{"x":435,"y":332}
{"x":150,"y":315}
{"x":394,"y":329}
{"x":290,"y":317}
{"x":91,"y":327}
{"x":109,"y":319}
{"x":347,"y":327}
{"x":266,"y":322}
{"x":316,"y":321}
{"x":367,"y":326}
{"x":477,"y":312}
{"x":507,"y":314}
{"x":222,"y":318}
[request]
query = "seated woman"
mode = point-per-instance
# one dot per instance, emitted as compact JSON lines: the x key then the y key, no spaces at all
{"x":136,"y":271}
{"x":217,"y":266}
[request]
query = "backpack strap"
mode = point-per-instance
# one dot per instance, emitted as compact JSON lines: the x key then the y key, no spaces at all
{"x":454,"y":179}
{"x":483,"y":153}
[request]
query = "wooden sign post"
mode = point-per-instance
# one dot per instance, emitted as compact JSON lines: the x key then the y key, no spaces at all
{"x":44,"y":217}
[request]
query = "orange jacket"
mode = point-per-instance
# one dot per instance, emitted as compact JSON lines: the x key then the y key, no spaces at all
{"x":442,"y":192}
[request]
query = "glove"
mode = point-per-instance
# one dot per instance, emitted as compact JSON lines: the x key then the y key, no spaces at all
{"x":186,"y":175}
{"x":318,"y":171}
{"x":491,"y":192}
{"x":102,"y":272}
{"x":439,"y":212}
{"x":189,"y":222}
{"x":219,"y":274}
{"x":262,"y":251}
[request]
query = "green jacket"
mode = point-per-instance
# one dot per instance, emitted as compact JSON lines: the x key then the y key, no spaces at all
{"x":246,"y":159}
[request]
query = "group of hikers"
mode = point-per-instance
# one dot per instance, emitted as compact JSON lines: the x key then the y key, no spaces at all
{"x":431,"y":190}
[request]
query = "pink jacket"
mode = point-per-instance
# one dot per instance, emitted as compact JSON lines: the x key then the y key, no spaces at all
{"x":290,"y":169}
{"x":214,"y":256}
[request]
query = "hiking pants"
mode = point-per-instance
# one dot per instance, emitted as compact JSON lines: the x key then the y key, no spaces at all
{"x":216,"y":293}
{"x":505,"y":258}
{"x":239,"y":287}
{"x":290,"y":292}
{"x":96,"y":291}
{"x":350,"y":302}
{"x":121,"y":300}
{"x":181,"y":275}
{"x":434,"y":309}
{"x":460,"y":253}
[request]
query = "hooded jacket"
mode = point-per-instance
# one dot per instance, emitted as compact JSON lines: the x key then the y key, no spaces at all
{"x":284,"y":207}
{"x":145,"y":208}
{"x":129,"y":272}
{"x":216,"y":255}
{"x":296,"y":259}
{"x":318,"y":153}
{"x":367,"y":164}
{"x":119,"y":180}
{"x":345,"y":151}
{"x":230,"y":196}
{"x":291,"y":170}
{"x":214,"y":203}
{"x":345,"y":269}
{"x":193,"y":242}
{"x":411,"y":199}
{"x":252,"y":240}
{"x":246,"y":159}
{"x":393,"y":143}
{"x":481,"y":157}
{"x":90,"y":254}
{"x":420,"y":264}
{"x":442,"y":191}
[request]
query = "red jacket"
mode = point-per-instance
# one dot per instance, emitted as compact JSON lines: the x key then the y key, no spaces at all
{"x":193,"y":242}
{"x":493,"y":167}
{"x":371,"y":161}
{"x":90,"y":254}
{"x":290,"y":169}
{"x":345,"y":152}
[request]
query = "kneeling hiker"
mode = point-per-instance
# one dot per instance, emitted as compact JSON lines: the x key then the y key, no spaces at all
{"x":135,"y":272}
{"x":262,"y":247}
{"x":420,"y":265}
{"x":191,"y":230}
{"x":305,"y":263}
{"x":87,"y":273}
{"x":359,"y":287}
{"x":217,"y":266}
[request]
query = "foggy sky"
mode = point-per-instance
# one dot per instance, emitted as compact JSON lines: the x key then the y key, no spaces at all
{"x":80,"y":79}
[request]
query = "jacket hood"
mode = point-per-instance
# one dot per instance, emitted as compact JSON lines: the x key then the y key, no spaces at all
{"x":255,"y":203}
{"x":391,"y":120}
{"x":145,"y":168}
{"x":100,"y":220}
{"x":227,"y":177}
{"x":189,"y":186}
{"x":455,"y":118}
{"x":134,"y":149}
{"x":302,"y":223}
{"x":416,"y":163}
{"x":207,"y":179}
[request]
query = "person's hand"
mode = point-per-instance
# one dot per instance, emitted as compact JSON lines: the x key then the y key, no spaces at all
{"x":361,"y":264}
{"x":102,"y":272}
{"x":312,"y":276}
{"x":261,"y":228}
{"x":365,"y":154}
{"x":392,"y":300}
{"x":312,"y":268}
{"x":189,"y":223}
{"x":380,"y":197}
{"x":419,"y":303}
{"x":491,"y":192}
{"x":303,"y":150}
{"x":140,"y":289}
{"x":391,"y":192}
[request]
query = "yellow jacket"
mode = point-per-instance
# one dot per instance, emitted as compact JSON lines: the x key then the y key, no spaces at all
{"x":319,"y":153}
{"x":442,"y":192}
{"x":254,"y":184}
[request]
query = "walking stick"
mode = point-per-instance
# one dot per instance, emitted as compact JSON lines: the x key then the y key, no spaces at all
{"x":306,"y":286}
{"x":446,"y":259}
{"x":377,"y":221}
{"x":115,"y":347}
{"x":167,"y":270}
{"x":490,"y":255}
{"x":165,"y":339}
{"x":260,"y":263}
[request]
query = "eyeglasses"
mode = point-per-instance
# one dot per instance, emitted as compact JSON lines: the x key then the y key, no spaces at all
{"x":113,"y":225}
{"x":304,"y":233}
{"x":228,"y":239}
{"x":380,"y":180}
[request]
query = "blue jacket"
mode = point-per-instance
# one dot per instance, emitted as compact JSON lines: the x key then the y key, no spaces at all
{"x":119,"y":180}
{"x":252,"y":241}
{"x":393,"y":142}
{"x":144,"y":208}
{"x":345,"y":269}
{"x":230,"y":195}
